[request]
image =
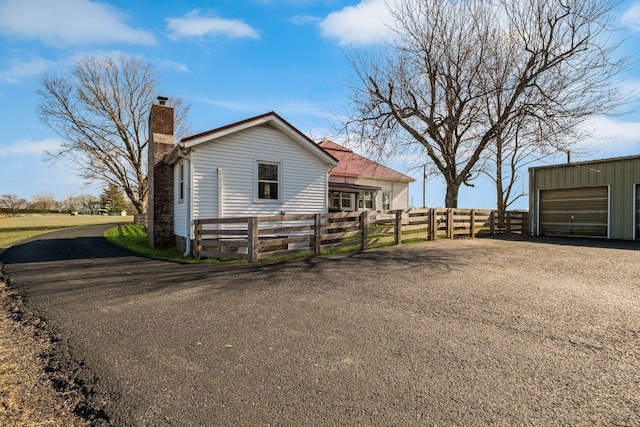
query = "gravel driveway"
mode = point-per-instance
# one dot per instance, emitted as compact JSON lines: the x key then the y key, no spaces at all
{"x":467,"y":332}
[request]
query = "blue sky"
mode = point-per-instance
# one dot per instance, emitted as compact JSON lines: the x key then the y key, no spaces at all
{"x":230,"y":60}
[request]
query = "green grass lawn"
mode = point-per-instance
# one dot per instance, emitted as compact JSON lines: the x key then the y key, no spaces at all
{"x":134,"y":238}
{"x":13,"y":230}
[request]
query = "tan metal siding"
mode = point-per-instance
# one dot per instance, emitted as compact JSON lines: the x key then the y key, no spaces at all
{"x":574,"y":212}
{"x":637,"y":211}
{"x":620,"y":175}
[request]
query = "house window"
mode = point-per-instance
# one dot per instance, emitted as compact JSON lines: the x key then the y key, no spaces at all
{"x":268,"y":181}
{"x":342,"y":201}
{"x":366,"y":201}
{"x":181,"y":181}
{"x":335,"y":203}
{"x":386,"y":197}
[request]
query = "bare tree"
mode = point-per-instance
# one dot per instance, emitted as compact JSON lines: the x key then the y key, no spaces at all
{"x":11,"y":204}
{"x":101,"y":111}
{"x":435,"y":82}
{"x":70,"y":204}
{"x":548,"y":118}
{"x":43,"y":202}
{"x":90,"y":203}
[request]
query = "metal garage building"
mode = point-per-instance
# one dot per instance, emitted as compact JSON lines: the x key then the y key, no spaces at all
{"x":599,"y":198}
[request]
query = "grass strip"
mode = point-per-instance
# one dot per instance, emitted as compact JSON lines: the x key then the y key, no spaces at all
{"x":134,"y":238}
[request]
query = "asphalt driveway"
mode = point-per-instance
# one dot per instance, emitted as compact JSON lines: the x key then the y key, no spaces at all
{"x":469,"y":332}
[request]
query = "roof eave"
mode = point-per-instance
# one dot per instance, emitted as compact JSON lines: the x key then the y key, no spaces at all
{"x":406,"y":179}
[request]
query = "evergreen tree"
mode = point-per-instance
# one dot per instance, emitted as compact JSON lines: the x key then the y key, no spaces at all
{"x":113,"y":200}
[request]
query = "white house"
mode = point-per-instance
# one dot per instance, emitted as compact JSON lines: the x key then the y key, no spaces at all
{"x":261,"y":166}
{"x":358,"y":183}
{"x":255,"y":167}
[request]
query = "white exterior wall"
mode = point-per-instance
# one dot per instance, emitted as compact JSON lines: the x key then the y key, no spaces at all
{"x":303,"y":175}
{"x":180,"y":227}
{"x":398,"y":191}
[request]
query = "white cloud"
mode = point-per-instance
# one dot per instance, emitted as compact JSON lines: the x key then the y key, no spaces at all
{"x":284,"y":107}
{"x":68,"y":23}
{"x":631,"y":17}
{"x":18,"y":68}
{"x":364,"y":23}
{"x":172,"y":65}
{"x":612,"y":135}
{"x":26,"y":147}
{"x":194,"y":25}
{"x":304,"y":20}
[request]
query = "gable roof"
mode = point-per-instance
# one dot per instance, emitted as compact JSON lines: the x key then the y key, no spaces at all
{"x":272,"y":119}
{"x":354,"y":165}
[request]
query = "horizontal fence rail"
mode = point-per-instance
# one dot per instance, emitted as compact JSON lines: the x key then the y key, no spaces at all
{"x":142,"y":220}
{"x":258,"y":238}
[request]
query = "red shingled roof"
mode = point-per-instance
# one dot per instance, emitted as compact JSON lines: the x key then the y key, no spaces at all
{"x":354,"y":165}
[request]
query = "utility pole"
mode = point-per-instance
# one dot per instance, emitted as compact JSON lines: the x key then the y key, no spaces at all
{"x":424,"y":185}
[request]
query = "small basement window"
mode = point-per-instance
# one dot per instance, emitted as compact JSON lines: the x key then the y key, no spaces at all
{"x":268,"y":181}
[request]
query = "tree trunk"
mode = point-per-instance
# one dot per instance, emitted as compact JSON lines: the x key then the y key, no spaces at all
{"x":501,"y":202}
{"x":451,"y":198}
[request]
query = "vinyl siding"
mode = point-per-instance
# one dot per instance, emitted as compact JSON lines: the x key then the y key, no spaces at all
{"x":180,"y":206}
{"x":303,"y":175}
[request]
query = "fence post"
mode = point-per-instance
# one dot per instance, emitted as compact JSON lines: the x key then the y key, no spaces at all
{"x":317,"y":224}
{"x":450,"y":223}
{"x":492,"y":222}
{"x":473,"y":223}
{"x":398,"y":230}
{"x":198,"y":238}
{"x":432,"y":224}
{"x":508,"y":230}
{"x":252,"y":238}
{"x":364,"y":225}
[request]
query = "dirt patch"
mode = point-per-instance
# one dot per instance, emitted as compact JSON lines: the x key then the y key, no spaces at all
{"x":39,"y":383}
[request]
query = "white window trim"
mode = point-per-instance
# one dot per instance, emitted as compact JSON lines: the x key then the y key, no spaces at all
{"x":388,"y":194}
{"x":256,"y":197}
{"x":341,"y":196}
{"x":182,"y":178}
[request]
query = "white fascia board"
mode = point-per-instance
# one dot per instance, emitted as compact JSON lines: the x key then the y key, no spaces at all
{"x":294,"y":134}
{"x":304,"y":141}
{"x":226,"y":131}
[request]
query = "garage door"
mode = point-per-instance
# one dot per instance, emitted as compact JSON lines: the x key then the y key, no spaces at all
{"x":575,"y":212}
{"x":637,"y":211}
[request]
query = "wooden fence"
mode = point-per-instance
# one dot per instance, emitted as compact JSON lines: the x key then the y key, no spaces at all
{"x":142,"y":220}
{"x":259,"y":238}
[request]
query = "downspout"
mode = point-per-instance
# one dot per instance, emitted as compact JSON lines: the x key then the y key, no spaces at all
{"x":534,"y":204}
{"x":189,"y":203}
{"x":219,"y":170}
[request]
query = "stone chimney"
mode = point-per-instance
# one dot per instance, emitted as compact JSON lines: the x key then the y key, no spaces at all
{"x":160,"y":175}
